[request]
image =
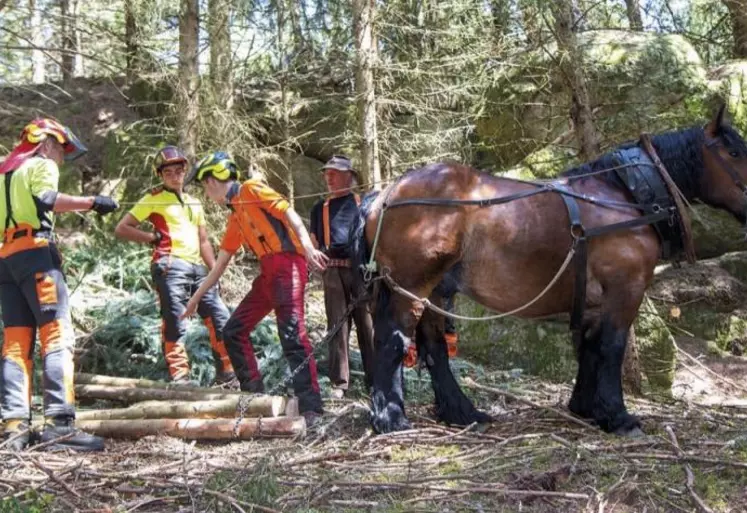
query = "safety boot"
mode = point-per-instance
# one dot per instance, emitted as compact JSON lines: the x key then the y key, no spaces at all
{"x":63,"y":428}
{"x":17,"y":434}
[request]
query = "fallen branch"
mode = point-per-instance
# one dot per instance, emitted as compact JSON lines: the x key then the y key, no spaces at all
{"x":197,"y":429}
{"x":718,"y":376}
{"x":496,"y":490}
{"x":470,"y":383}
{"x":259,"y":406}
{"x":690,"y":483}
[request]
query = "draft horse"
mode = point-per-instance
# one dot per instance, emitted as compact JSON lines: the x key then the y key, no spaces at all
{"x":501,"y":241}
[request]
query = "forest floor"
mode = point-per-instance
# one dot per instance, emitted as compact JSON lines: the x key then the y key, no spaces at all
{"x":533,"y":458}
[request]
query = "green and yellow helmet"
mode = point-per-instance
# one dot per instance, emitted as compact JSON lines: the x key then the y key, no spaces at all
{"x":219,"y":165}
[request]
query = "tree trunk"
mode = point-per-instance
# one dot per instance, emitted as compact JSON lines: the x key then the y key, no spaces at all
{"x":632,"y":376}
{"x":67,"y":35}
{"x":259,"y":406}
{"x":130,"y":395}
{"x":197,"y":429}
{"x":281,"y":44}
{"x":571,"y":67}
{"x":738,"y":13}
{"x":131,"y":38}
{"x":188,"y":104}
{"x":219,"y":13}
{"x":634,"y":14}
{"x":38,"y":72}
{"x":363,"y":19}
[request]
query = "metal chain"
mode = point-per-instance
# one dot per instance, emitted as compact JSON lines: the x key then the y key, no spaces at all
{"x":245,"y":400}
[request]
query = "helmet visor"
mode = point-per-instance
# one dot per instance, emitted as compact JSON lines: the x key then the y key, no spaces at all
{"x":73,"y":147}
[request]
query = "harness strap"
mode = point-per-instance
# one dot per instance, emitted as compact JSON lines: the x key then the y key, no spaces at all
{"x":8,"y":205}
{"x":580,"y":239}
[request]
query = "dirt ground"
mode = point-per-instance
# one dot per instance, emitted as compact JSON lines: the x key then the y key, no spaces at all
{"x":533,"y":458}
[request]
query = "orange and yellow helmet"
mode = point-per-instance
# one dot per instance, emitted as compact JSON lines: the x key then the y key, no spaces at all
{"x":41,"y":128}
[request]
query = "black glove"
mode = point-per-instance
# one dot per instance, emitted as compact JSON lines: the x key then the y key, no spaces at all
{"x":158,"y":238}
{"x":104,"y":205}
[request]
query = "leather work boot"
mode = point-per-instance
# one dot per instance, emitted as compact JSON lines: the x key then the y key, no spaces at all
{"x":227,"y":380}
{"x":17,"y":434}
{"x":74,"y":439}
{"x":184,"y":382}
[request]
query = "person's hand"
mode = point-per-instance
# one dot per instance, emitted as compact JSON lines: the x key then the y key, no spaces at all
{"x":317,"y":259}
{"x":104,"y":205}
{"x":191,"y":307}
{"x":157,"y":240}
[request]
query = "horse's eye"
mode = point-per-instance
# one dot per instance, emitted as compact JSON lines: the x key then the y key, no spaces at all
{"x":734,"y":154}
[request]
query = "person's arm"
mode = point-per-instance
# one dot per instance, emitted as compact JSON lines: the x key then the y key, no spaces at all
{"x":67,"y":203}
{"x":317,"y":258}
{"x":224,"y":257}
{"x":206,"y":249}
{"x":127,"y":229}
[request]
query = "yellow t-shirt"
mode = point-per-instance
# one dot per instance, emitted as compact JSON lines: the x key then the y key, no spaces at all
{"x":33,"y":190}
{"x":177,"y":219}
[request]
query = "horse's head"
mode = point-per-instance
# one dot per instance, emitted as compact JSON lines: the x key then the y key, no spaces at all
{"x":723,"y":182}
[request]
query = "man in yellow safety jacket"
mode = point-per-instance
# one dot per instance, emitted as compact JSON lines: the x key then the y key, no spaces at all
{"x":33,"y":293}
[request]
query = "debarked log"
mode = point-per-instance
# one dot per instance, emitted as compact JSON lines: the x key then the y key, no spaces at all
{"x":258,"y":406}
{"x":136,"y":395}
{"x":84,"y":378}
{"x":197,"y":429}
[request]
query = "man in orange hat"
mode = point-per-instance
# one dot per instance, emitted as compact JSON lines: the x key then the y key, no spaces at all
{"x":331,"y":219}
{"x":33,"y":293}
{"x":182,"y":257}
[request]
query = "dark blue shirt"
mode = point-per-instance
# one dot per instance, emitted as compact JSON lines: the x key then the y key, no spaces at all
{"x":342,"y":213}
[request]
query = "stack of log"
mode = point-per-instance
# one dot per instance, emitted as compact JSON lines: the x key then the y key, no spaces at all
{"x":190,"y":412}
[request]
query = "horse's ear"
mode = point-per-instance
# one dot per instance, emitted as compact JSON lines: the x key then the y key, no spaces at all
{"x":714,"y":126}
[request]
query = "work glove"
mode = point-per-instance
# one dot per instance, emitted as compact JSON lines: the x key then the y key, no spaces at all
{"x":158,"y":238}
{"x":104,"y":205}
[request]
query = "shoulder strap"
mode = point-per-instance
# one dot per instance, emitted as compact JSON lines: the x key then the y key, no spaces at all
{"x":8,"y":205}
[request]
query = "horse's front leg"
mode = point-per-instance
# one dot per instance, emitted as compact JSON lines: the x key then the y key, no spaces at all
{"x":452,"y":406}
{"x":393,"y":326}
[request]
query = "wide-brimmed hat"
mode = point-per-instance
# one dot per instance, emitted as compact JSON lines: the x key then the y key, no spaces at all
{"x":341,"y":163}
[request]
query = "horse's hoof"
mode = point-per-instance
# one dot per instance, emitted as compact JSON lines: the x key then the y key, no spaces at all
{"x":630,"y":432}
{"x":389,"y":420}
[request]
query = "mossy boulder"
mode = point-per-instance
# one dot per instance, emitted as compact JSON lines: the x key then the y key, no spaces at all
{"x":658,"y":355}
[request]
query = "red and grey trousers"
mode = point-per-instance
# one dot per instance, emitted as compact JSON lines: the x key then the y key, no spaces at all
{"x":34,"y":298}
{"x":280,"y":287}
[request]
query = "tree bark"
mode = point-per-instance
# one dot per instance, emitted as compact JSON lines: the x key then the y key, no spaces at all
{"x":131,"y":38}
{"x":197,"y":429}
{"x":259,"y":406}
{"x":67,"y":35}
{"x":219,"y":13}
{"x":571,"y":67}
{"x":281,"y":44}
{"x":738,"y":13}
{"x":38,"y":64}
{"x":634,"y":14}
{"x":632,"y":376}
{"x":188,"y":104}
{"x":363,"y":19}
{"x":130,"y":395}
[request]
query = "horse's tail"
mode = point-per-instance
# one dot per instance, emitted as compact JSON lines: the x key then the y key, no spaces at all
{"x":359,"y":251}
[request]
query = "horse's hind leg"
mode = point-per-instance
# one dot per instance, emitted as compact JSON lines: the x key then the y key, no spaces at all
{"x":394,"y":325}
{"x":452,"y":406}
{"x":598,"y":391}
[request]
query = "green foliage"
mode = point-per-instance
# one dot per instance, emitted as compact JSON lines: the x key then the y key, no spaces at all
{"x":258,"y":485}
{"x":31,"y":502}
